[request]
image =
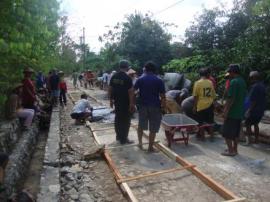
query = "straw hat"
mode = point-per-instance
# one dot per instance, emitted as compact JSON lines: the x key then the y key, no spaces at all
{"x":131,"y":71}
{"x":28,"y":70}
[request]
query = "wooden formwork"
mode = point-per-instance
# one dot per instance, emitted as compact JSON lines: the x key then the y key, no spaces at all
{"x":186,"y":165}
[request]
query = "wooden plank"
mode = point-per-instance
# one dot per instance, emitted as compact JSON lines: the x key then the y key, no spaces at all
{"x":236,"y":200}
{"x":124,"y":186}
{"x":103,"y":129}
{"x":127,"y":179}
{"x":221,"y":190}
{"x":127,"y":145}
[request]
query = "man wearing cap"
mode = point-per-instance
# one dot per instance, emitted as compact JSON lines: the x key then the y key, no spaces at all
{"x":151,"y":103}
{"x":28,"y":95}
{"x":234,"y":110}
{"x":121,"y":96}
{"x":257,"y":105}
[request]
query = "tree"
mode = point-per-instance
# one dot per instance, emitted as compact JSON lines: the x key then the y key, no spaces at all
{"x":28,"y":37}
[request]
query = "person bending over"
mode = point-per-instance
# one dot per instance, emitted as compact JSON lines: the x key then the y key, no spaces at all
{"x":82,"y":110}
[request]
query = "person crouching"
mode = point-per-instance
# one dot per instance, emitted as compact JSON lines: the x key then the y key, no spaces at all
{"x":82,"y":110}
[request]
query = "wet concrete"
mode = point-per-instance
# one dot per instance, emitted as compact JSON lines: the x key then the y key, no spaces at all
{"x":247,"y":174}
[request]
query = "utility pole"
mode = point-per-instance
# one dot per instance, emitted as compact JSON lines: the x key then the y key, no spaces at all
{"x":84,"y":48}
{"x":82,"y":42}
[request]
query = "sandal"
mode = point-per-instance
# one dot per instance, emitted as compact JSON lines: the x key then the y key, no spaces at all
{"x":227,"y":153}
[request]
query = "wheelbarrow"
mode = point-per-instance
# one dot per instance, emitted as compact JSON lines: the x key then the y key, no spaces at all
{"x":178,"y":123}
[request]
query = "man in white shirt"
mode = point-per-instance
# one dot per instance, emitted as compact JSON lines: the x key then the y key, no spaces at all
{"x":82,"y":109}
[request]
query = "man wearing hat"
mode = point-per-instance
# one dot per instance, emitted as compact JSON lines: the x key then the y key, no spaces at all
{"x":28,"y":95}
{"x":121,"y":97}
{"x":234,"y":110}
{"x":257,"y":105}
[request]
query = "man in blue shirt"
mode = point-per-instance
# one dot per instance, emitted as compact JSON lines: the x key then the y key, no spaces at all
{"x":257,"y":105}
{"x":151,"y":100}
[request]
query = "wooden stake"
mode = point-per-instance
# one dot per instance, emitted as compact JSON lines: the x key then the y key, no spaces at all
{"x":127,"y":179}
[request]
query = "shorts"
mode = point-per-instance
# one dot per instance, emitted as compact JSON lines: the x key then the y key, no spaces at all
{"x":150,"y":116}
{"x":252,"y":120}
{"x":205,"y":115}
{"x":55,"y":93}
{"x":79,"y":115}
{"x":231,"y":128}
{"x":3,"y":159}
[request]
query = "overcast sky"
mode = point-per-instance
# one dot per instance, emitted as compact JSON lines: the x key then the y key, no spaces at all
{"x":96,"y":15}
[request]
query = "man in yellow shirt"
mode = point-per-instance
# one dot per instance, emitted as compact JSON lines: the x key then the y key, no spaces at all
{"x":204,"y":95}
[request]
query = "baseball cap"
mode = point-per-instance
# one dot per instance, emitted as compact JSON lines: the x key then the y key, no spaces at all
{"x":123,"y":64}
{"x":234,"y":68}
{"x":254,"y":74}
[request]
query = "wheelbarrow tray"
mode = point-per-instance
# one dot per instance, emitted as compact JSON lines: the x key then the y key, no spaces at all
{"x":177,"y":122}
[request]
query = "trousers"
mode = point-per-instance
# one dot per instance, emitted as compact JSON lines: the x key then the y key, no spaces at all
{"x":27,"y":115}
{"x":63,"y":97}
{"x":122,"y":124}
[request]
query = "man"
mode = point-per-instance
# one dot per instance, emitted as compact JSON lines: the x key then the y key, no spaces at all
{"x":174,"y":99}
{"x":90,"y":78}
{"x":234,"y":110}
{"x":257,"y":105}
{"x":82,"y":110}
{"x":54,"y":85}
{"x":105,"y":78}
{"x":74,"y":79}
{"x":211,"y":78}
{"x":204,"y":95}
{"x":152,"y":101}
{"x":121,"y":96}
{"x":187,"y":107}
{"x":28,"y":95}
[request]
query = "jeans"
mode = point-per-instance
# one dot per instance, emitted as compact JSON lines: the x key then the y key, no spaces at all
{"x":27,"y":115}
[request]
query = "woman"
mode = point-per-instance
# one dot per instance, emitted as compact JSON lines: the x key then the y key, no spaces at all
{"x":15,"y":109}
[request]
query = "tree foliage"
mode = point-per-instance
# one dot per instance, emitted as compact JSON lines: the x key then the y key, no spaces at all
{"x":28,"y":38}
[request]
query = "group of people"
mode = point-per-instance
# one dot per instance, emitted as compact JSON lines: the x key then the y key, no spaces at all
{"x":149,"y":89}
{"x":85,"y":79}
{"x":122,"y":92}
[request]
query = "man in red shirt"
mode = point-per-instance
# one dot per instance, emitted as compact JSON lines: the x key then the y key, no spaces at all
{"x":28,"y":90}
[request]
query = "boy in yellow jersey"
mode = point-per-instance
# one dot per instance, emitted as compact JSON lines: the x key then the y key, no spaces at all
{"x":204,"y":95}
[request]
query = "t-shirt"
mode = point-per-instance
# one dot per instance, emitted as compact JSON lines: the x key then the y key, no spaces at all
{"x":257,"y":95}
{"x":28,"y":92}
{"x":150,"y":87}
{"x":54,"y":82}
{"x":237,"y":92}
{"x":81,"y":106}
{"x":63,"y":85}
{"x":120,"y":84}
{"x":204,"y":91}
